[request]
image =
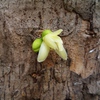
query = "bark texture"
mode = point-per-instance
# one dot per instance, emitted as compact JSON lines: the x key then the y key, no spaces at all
{"x":22,"y":77}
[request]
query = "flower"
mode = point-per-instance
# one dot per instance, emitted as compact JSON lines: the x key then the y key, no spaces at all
{"x":53,"y":41}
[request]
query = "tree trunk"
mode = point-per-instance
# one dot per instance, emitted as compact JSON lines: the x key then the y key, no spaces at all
{"x":22,"y":77}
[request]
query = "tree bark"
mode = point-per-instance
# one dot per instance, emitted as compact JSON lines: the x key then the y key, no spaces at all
{"x":22,"y":77}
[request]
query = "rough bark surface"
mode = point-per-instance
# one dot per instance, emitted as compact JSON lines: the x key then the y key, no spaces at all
{"x":22,"y":77}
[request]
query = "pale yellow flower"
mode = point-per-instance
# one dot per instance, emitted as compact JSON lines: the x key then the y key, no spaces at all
{"x":52,"y":41}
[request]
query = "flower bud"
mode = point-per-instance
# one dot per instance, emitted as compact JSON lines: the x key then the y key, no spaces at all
{"x":45,"y":32}
{"x":36,"y":45}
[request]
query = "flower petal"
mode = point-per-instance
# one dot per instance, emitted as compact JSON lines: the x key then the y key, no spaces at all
{"x":55,"y":33}
{"x":43,"y":52}
{"x":58,"y":42}
{"x":62,"y":54}
{"x":50,"y":41}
